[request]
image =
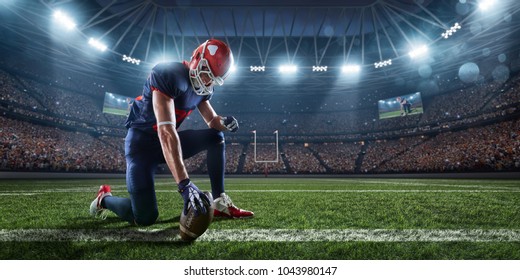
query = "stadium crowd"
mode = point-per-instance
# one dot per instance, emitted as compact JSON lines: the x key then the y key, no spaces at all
{"x":471,"y":128}
{"x":26,"y":147}
{"x":381,"y":151}
{"x":494,"y":147}
{"x":338,"y":158}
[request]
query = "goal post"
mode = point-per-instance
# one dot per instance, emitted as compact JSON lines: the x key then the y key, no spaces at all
{"x":277,"y":150}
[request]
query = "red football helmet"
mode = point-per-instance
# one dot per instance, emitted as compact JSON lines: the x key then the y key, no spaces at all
{"x":210,"y":63}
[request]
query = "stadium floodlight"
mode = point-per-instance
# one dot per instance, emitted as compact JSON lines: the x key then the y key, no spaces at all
{"x":383,"y":63}
{"x":485,"y":5}
{"x":131,"y":59}
{"x":64,"y":20}
{"x":451,"y":31}
{"x":420,"y":51}
{"x":97,"y":44}
{"x":319,"y":68}
{"x":257,"y":68}
{"x":288,"y":68}
{"x":351,"y":68}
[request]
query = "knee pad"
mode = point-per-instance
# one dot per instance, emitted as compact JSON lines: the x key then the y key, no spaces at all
{"x":218,"y":137}
{"x":147,"y":219}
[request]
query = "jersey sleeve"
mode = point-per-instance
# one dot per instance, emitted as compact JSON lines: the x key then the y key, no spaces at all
{"x":164,"y":80}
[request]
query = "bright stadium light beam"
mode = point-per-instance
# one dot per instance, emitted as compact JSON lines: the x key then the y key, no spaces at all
{"x":485,"y":5}
{"x":131,"y":59}
{"x":418,"y":52}
{"x":383,"y":63}
{"x":351,"y":68}
{"x":288,"y":68}
{"x":97,"y":44}
{"x":257,"y":68}
{"x":319,"y":68}
{"x":64,"y":20}
{"x":451,"y":31}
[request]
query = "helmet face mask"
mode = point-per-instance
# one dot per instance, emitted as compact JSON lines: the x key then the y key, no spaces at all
{"x":211,"y":58}
{"x":199,"y":78}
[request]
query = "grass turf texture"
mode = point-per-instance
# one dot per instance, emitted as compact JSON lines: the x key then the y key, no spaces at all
{"x":397,"y":113}
{"x":286,"y":203}
{"x":115,"y":111}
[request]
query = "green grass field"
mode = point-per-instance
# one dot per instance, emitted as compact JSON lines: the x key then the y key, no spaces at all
{"x":115,"y":111}
{"x":296,"y":218}
{"x":397,"y":113}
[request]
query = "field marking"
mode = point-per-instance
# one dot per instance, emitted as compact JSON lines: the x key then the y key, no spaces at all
{"x":78,"y":190}
{"x":263,"y":235}
{"x":384,"y":191}
{"x":400,"y":183}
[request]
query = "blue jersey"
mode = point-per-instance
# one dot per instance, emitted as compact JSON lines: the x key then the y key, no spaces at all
{"x":173,"y":80}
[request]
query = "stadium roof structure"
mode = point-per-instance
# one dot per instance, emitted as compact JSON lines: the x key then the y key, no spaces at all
{"x":269,"y":33}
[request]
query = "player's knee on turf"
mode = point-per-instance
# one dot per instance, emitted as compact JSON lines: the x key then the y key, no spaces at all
{"x":147,"y":219}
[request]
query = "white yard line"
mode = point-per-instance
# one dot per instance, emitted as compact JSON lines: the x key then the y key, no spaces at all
{"x":383,"y":191}
{"x":406,"y":182}
{"x":263,"y":235}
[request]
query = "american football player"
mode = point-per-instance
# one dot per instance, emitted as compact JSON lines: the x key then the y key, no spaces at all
{"x":171,"y":92}
{"x":406,"y":106}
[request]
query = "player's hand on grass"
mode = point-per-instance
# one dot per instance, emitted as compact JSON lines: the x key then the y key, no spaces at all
{"x":193,"y":197}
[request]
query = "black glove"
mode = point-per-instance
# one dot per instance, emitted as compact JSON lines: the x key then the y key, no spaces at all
{"x":193,"y":197}
{"x":230,"y":123}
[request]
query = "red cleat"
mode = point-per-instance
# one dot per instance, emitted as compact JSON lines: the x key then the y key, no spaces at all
{"x":224,"y":208}
{"x":96,"y":210}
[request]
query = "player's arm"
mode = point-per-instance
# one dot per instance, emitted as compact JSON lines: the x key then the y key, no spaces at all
{"x":164,"y":109}
{"x":210,"y":117}
{"x":215,"y":121}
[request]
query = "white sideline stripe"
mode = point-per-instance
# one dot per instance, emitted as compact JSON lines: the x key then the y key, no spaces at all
{"x":263,"y":235}
{"x":403,"y":183}
{"x":14,"y":193}
{"x":385,"y":191}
